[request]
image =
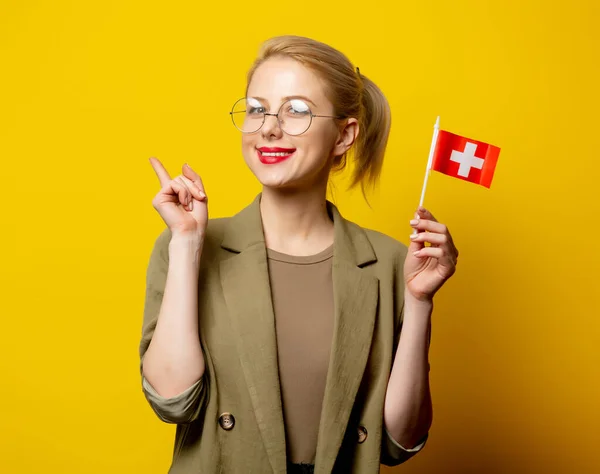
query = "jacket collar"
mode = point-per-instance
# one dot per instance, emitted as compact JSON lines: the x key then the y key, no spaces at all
{"x":350,"y":241}
{"x":246,"y":289}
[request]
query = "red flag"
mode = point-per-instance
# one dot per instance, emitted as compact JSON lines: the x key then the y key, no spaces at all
{"x":465,"y":159}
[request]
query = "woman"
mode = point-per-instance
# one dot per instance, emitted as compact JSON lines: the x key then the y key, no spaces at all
{"x":286,"y":338}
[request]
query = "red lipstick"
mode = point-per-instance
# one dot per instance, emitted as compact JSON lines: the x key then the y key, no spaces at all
{"x":273,"y":155}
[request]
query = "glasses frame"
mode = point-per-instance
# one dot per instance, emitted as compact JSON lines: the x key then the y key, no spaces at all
{"x":265,"y":114}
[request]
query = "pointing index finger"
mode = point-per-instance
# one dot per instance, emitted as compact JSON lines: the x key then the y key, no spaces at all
{"x":161,"y":172}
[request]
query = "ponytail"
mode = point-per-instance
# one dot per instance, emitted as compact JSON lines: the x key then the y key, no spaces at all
{"x":370,"y":145}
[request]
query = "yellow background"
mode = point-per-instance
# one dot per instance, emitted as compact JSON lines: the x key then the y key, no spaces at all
{"x":90,"y":90}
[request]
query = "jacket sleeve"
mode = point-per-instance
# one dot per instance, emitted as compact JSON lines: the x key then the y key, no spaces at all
{"x":392,"y":453}
{"x":188,"y":405}
{"x":182,"y":408}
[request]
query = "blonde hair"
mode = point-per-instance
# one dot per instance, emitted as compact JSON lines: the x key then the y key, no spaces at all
{"x":352,"y":95}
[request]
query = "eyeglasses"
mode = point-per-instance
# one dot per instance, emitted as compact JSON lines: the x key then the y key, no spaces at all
{"x":294,"y":116}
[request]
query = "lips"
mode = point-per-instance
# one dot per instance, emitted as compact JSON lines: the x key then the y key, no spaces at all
{"x":273,"y":155}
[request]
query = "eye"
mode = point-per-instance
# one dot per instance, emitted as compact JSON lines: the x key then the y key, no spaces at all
{"x":255,"y":110}
{"x":253,"y":106}
{"x":298,"y":107}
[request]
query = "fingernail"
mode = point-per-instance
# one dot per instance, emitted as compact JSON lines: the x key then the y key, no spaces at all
{"x":202,"y":195}
{"x":414,"y":222}
{"x":413,"y":236}
{"x":191,"y":205}
{"x":417,"y":253}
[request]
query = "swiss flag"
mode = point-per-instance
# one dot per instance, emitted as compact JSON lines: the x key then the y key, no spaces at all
{"x":465,"y":158}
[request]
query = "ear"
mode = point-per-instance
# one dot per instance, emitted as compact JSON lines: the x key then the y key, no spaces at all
{"x":347,"y":137}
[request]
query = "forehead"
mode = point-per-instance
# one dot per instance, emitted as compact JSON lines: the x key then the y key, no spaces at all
{"x":284,"y":77}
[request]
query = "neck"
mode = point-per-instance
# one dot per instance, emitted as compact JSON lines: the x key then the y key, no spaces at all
{"x":296,"y":222}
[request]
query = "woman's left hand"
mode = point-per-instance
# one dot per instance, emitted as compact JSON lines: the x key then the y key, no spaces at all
{"x":427,"y":268}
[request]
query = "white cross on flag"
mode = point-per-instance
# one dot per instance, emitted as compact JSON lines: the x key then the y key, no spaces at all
{"x":464,"y":158}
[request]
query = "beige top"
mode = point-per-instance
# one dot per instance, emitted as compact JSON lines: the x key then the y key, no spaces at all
{"x":302,"y":292}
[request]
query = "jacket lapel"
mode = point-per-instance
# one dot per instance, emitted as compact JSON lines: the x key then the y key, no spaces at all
{"x":247,"y":292}
{"x":355,"y":302}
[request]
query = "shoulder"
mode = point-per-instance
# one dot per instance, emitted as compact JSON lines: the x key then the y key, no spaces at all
{"x":367,"y":241}
{"x":215,"y":230}
{"x":388,"y":264}
{"x":385,"y":246}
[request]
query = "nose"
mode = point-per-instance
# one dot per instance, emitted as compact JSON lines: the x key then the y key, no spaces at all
{"x":271,"y":126}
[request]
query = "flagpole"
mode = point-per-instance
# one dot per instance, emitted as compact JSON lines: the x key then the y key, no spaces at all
{"x":436,"y":129}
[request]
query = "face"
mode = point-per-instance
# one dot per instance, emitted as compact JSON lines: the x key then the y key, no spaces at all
{"x":294,"y":162}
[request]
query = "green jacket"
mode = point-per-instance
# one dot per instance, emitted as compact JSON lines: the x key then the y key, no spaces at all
{"x":237,"y":334}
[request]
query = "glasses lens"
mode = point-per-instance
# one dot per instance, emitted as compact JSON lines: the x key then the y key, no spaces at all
{"x":248,"y":115}
{"x":295,"y":117}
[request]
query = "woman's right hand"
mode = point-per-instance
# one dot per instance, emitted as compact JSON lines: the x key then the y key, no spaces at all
{"x":181,"y":202}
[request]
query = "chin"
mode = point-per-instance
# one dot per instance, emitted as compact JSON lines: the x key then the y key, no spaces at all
{"x":271,"y":176}
{"x":285,"y":176}
{"x":273,"y":181}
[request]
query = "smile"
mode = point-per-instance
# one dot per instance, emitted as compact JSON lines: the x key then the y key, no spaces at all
{"x":271,"y":156}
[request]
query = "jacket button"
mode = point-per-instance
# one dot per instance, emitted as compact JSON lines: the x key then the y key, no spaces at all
{"x":362,"y":434}
{"x":227,"y":421}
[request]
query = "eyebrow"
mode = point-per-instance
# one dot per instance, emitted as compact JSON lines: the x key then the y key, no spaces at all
{"x":286,"y":98}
